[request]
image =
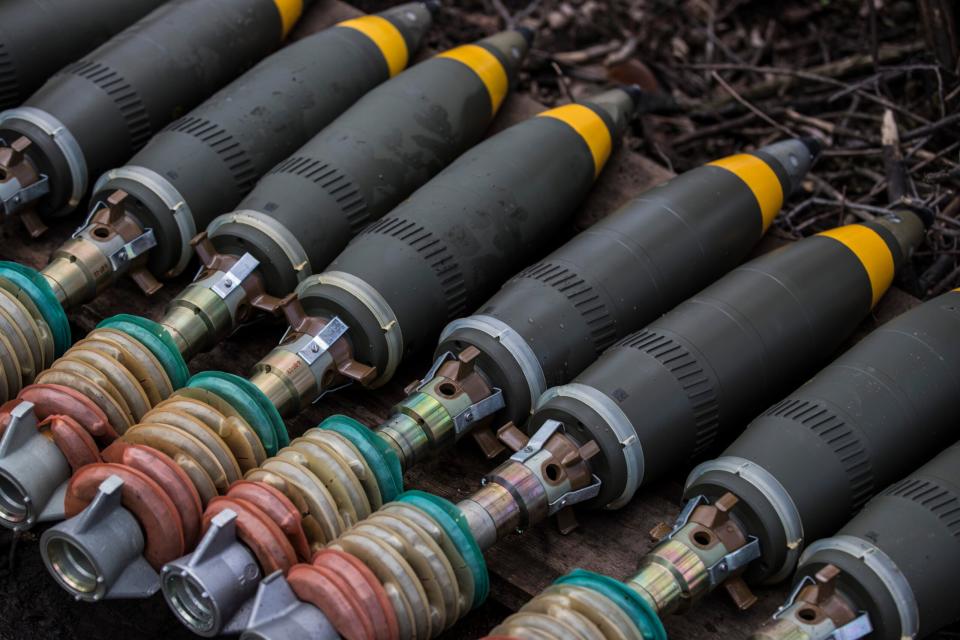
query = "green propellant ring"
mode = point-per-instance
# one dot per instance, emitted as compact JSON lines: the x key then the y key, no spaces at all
{"x":638,"y":609}
{"x":250,"y":402}
{"x":449,"y":517}
{"x":39,"y":291}
{"x":155,"y":338}
{"x":383,"y":460}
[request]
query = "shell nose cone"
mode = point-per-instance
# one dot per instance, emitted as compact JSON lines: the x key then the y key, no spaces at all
{"x":635,"y":92}
{"x":814,"y":146}
{"x":527,"y":33}
{"x":795,"y":156}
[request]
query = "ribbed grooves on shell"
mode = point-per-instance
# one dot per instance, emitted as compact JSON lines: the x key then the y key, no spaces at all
{"x":582,"y":295}
{"x":123,"y":95}
{"x":435,"y":252}
{"x":839,"y":436}
{"x":940,"y":501}
{"x":334,"y":182}
{"x":231,"y":151}
{"x":9,"y":85}
{"x":567,"y":612}
{"x":692,"y":377}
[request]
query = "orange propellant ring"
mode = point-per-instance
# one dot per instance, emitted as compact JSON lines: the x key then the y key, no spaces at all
{"x":255,"y":529}
{"x":54,"y":399}
{"x":169,"y":476}
{"x":333,"y":595}
{"x":74,"y":442}
{"x":368,"y":588}
{"x":348,"y":593}
{"x":278,"y":508}
{"x":150,"y":505}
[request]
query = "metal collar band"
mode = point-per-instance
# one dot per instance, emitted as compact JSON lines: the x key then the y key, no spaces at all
{"x":65,"y":141}
{"x":884,"y":568}
{"x":171,"y":198}
{"x":376,"y":305}
{"x":768,"y":485}
{"x":279,"y":234}
{"x":618,"y":422}
{"x":513,"y":342}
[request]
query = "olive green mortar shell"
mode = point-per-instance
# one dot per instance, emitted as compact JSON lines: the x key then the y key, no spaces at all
{"x":443,"y":250}
{"x":37,"y":37}
{"x":365,"y":163}
{"x":817,"y":456}
{"x":307,"y":208}
{"x":664,"y":395}
{"x":96,"y":112}
{"x":556,"y":317}
{"x":910,"y":537}
{"x":208,"y":160}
